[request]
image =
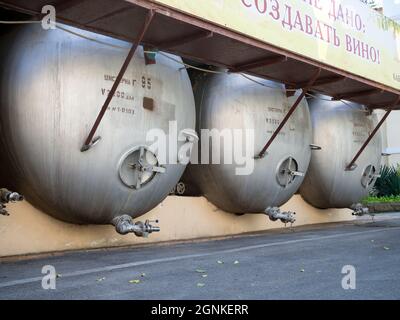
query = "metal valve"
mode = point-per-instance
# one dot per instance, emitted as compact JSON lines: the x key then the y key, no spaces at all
{"x":146,"y":228}
{"x":359,"y":210}
{"x":274,"y":214}
{"x":7,"y":196}
{"x":124,"y":225}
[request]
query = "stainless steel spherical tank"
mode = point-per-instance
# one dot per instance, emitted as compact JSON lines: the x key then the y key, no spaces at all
{"x":52,"y":86}
{"x":340,"y":129}
{"x":234,"y":102}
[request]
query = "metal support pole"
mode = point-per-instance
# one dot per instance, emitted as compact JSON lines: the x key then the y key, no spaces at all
{"x":352,"y":165}
{"x":89,"y":140}
{"x":289,"y":114}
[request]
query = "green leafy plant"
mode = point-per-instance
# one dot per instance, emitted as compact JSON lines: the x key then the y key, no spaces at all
{"x":388,"y":184}
{"x":386,"y":199}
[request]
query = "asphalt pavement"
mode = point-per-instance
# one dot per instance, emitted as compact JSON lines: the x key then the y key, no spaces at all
{"x":301,"y":263}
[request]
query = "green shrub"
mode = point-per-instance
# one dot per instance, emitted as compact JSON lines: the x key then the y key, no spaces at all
{"x":389,"y":182}
{"x":386,"y":199}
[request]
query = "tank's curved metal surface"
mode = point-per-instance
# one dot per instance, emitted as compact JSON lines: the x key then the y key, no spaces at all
{"x":340,"y":129}
{"x":230,"y":101}
{"x":52,"y":86}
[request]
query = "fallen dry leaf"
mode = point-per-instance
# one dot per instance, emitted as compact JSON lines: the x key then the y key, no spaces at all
{"x":135,"y":281}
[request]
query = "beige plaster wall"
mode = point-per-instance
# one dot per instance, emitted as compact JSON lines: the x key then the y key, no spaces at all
{"x":29,"y":231}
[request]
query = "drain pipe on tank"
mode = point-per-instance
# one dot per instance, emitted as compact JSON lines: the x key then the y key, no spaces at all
{"x":124,"y":224}
{"x":274,"y":214}
{"x":7,"y":196}
{"x":359,"y":210}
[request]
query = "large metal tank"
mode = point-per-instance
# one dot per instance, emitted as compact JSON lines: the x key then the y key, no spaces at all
{"x":340,"y":129}
{"x":52,"y":86}
{"x":230,"y":101}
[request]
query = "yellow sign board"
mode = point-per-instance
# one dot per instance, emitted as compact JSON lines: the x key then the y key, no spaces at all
{"x":346,"y":34}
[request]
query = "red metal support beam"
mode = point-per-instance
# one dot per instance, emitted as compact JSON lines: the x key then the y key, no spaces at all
{"x":65,"y":5}
{"x":191,"y":21}
{"x":108,"y":15}
{"x":380,"y":105}
{"x":319,"y":82}
{"x":181,"y":41}
{"x":89,"y":140}
{"x":289,"y":114}
{"x":322,"y":81}
{"x":357,"y":94}
{"x":352,"y":165}
{"x":259,"y":63}
{"x":60,"y":7}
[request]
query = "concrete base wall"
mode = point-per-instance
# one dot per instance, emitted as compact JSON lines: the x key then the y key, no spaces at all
{"x":384,"y":207}
{"x":29,"y":231}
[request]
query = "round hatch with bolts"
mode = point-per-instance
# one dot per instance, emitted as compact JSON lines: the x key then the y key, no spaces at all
{"x":138,"y":167}
{"x":287,"y":172}
{"x":369,"y":176}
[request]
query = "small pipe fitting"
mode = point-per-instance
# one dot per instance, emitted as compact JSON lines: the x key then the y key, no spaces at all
{"x":359,"y":210}
{"x":124,"y":224}
{"x":274,"y":214}
{"x":7,"y":196}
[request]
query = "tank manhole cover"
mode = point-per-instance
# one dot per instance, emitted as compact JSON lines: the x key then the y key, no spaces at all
{"x":138,"y":167}
{"x":369,"y":176}
{"x":287,"y":172}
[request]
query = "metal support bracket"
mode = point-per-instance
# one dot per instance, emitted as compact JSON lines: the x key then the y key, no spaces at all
{"x":89,"y":140}
{"x":305,"y":89}
{"x":352,"y":165}
{"x":315,"y":147}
